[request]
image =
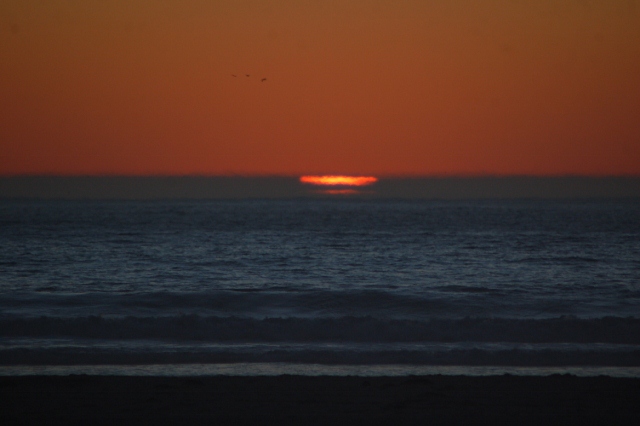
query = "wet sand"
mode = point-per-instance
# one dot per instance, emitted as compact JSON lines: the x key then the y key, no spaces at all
{"x":558,"y":399}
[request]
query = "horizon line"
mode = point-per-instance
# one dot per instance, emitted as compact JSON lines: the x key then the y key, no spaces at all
{"x":297,"y":176}
{"x":234,"y":186}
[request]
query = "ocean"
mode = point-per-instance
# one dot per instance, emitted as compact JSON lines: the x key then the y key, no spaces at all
{"x":317,"y":286}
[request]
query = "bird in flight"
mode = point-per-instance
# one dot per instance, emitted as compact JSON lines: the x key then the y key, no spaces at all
{"x":247,"y":75}
{"x":263,"y":80}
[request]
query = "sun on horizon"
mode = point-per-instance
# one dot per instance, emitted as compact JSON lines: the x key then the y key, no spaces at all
{"x":338,"y":180}
{"x":338,"y":184}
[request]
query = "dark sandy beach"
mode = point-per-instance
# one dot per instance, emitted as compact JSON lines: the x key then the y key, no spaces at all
{"x":319,"y":400}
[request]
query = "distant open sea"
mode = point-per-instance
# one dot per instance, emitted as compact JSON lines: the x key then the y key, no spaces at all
{"x":317,"y":286}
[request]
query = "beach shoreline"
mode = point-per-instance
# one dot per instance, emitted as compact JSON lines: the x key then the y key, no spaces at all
{"x":290,"y":399}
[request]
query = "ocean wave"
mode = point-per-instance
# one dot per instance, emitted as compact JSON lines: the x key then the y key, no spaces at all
{"x":148,"y":352}
{"x":619,"y":330}
{"x":453,"y":301}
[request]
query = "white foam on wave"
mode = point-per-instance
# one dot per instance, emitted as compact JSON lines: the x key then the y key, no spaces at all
{"x":25,"y":351}
{"x":276,"y":369}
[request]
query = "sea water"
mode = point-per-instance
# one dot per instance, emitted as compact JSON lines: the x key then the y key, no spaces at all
{"x":312,"y":285}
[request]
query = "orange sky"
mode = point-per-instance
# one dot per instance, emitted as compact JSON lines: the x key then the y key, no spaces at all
{"x":372,"y":87}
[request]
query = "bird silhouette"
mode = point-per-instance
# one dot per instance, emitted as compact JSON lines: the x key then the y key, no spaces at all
{"x":263,"y":80}
{"x":247,"y":75}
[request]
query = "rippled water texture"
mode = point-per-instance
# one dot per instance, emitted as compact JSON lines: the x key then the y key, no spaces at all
{"x":319,"y":271}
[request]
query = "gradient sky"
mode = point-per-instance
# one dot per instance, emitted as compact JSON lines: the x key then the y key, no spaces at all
{"x":389,"y":87}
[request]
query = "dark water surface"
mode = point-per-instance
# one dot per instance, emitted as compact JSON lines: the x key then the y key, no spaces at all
{"x":320,"y":281}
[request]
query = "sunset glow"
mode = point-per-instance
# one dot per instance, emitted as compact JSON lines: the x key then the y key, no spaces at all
{"x":289,"y":88}
{"x":339,"y":180}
